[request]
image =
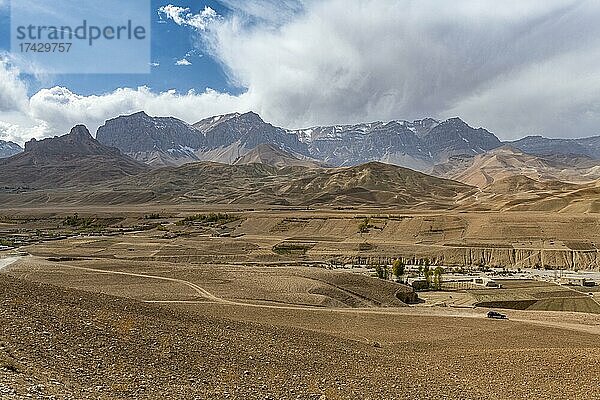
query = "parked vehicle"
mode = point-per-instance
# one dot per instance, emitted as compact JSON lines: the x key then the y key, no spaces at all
{"x":496,"y":315}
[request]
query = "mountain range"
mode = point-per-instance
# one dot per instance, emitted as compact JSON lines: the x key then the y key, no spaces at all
{"x":238,"y":158}
{"x":541,"y":146}
{"x":160,"y":141}
{"x":418,"y":145}
{"x":421,"y":145}
{"x":78,"y":169}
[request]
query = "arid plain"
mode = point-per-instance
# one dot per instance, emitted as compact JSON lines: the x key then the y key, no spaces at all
{"x":262,"y":303}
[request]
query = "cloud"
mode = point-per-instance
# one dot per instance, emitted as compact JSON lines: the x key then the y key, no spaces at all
{"x":516,"y":68}
{"x":183,"y":61}
{"x":62,"y":109}
{"x":184,"y":17}
{"x":339,"y":61}
{"x":13,"y":91}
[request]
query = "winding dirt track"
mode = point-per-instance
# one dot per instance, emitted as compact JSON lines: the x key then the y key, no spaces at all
{"x":5,"y":262}
{"x":522,"y":317}
{"x":199,"y":290}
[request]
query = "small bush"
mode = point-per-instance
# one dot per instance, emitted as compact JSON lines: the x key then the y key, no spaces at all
{"x":365,"y":246}
{"x":398,"y":268}
{"x":290,"y":248}
{"x":79,"y":222}
{"x":7,"y":243}
{"x":364,"y":226}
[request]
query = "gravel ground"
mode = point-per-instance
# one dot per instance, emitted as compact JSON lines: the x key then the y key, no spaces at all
{"x":68,"y":344}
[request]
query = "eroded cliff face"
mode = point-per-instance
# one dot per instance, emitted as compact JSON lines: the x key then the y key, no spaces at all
{"x":489,"y":257}
{"x":513,"y":258}
{"x":513,"y":240}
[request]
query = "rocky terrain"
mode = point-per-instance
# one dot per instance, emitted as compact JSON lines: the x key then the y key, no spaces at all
{"x":75,"y":159}
{"x":157,"y":141}
{"x":61,"y":343}
{"x":539,"y":145}
{"x":416,"y":145}
{"x":168,"y":141}
{"x":8,"y":149}
{"x":239,"y":133}
{"x":225,"y":138}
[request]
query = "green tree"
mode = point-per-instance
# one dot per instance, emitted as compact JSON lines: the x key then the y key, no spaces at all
{"x":437,"y":278}
{"x":363,"y":227}
{"x":398,"y":268}
{"x":428,"y":275}
{"x":382,"y":271}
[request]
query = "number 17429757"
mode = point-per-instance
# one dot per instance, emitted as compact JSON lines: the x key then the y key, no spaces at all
{"x":42,"y":47}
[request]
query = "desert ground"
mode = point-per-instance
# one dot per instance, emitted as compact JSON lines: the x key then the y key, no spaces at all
{"x":120,"y":303}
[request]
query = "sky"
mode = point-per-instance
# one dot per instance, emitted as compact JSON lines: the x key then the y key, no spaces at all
{"x":516,"y":67}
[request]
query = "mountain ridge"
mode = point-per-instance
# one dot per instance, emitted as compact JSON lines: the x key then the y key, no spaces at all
{"x":484,"y":169}
{"x":225,"y":138}
{"x":73,"y":159}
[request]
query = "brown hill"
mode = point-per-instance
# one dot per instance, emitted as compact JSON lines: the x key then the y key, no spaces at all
{"x":74,"y":159}
{"x":484,"y":169}
{"x":269,"y":154}
{"x":372,"y":185}
{"x":521,"y":193}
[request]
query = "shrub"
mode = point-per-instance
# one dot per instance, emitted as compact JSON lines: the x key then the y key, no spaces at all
{"x":290,"y":248}
{"x":382,"y":271}
{"x":364,"y":226}
{"x":78,"y":222}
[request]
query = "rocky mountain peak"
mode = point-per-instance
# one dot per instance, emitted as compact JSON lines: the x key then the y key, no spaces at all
{"x":79,"y":133}
{"x":140,"y":114}
{"x":8,"y":149}
{"x":78,"y":141}
{"x":141,"y":133}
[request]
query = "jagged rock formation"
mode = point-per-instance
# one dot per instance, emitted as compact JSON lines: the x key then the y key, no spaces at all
{"x":8,"y":149}
{"x":226,"y":138}
{"x":74,"y":159}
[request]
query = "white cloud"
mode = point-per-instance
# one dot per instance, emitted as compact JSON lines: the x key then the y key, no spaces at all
{"x":341,"y":61}
{"x":23,"y":131}
{"x":183,"y":61}
{"x":13,"y":91}
{"x":516,"y":68}
{"x":184,"y":17}
{"x":62,"y":109}
{"x":55,"y":110}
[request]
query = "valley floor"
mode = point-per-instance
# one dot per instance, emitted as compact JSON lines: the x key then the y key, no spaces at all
{"x":58,"y":342}
{"x":145,"y":314}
